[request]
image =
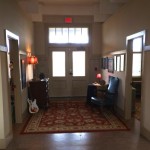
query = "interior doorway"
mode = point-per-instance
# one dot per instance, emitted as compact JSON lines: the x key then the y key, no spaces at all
{"x":137,"y":55}
{"x":13,"y":79}
{"x":12,"y":42}
{"x":12,"y":87}
{"x":135,"y":46}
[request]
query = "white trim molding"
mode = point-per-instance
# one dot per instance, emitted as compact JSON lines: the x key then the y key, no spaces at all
{"x":12,"y":36}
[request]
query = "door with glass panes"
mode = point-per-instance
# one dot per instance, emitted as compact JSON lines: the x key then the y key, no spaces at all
{"x":68,"y":72}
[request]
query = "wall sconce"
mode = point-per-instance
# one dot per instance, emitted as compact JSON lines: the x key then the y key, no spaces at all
{"x":31,"y":59}
{"x":98,"y":76}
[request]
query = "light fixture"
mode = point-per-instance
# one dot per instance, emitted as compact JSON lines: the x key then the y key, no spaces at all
{"x":31,"y":59}
{"x":98,"y":76}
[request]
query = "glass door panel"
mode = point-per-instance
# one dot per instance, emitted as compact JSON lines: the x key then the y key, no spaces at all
{"x":78,"y":63}
{"x":136,"y":64}
{"x":58,"y":64}
{"x":68,"y":72}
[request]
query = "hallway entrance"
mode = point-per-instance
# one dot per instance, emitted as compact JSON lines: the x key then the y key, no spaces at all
{"x":12,"y":42}
{"x":135,"y":46}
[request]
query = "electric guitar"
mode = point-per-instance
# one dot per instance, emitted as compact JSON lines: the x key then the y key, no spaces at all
{"x":33,"y":107}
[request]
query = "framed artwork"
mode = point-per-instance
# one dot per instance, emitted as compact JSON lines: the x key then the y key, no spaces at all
{"x":23,"y":72}
{"x":104,"y":63}
{"x":111,"y":65}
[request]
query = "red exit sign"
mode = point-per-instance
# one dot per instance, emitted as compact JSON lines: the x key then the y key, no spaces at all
{"x":68,"y":20}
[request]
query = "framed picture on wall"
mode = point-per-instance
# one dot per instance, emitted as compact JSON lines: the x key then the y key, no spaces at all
{"x":105,"y":62}
{"x":111,"y":65}
{"x":102,"y":63}
{"x":23,"y":72}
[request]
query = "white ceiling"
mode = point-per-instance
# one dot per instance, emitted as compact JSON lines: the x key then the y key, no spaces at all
{"x":100,"y":9}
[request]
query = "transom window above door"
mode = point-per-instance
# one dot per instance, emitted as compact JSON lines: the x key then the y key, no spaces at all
{"x":64,"y":35}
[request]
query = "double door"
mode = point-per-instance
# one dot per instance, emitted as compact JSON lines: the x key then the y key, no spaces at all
{"x":68,"y":72}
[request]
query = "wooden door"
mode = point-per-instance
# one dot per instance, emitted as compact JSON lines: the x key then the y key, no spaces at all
{"x":72,"y":66}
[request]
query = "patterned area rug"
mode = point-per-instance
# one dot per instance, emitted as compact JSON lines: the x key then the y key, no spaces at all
{"x":72,"y":116}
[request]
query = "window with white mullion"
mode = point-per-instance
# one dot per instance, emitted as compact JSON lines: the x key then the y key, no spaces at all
{"x":78,"y":34}
{"x":137,"y":57}
{"x":65,"y":35}
{"x":85,"y":37}
{"x":68,"y":35}
{"x":58,"y":34}
{"x":52,"y":35}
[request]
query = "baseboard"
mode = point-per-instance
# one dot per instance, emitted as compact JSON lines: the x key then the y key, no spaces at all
{"x":145,"y":133}
{"x":4,"y":142}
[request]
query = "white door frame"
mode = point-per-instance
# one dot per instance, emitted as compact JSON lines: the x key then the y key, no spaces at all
{"x":17,"y":79}
{"x":128,"y":76}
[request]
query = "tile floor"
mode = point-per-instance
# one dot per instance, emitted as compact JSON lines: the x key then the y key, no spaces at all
{"x":108,"y":140}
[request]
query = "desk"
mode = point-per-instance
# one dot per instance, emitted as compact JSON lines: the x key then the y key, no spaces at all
{"x":92,"y":90}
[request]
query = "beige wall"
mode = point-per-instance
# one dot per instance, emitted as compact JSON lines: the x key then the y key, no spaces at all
{"x":145,"y":123}
{"x":121,"y":75}
{"x":133,"y":18}
{"x":15,"y":21}
{"x":96,"y":38}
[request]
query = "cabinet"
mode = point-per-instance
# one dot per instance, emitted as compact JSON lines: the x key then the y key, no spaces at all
{"x":38,"y":90}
